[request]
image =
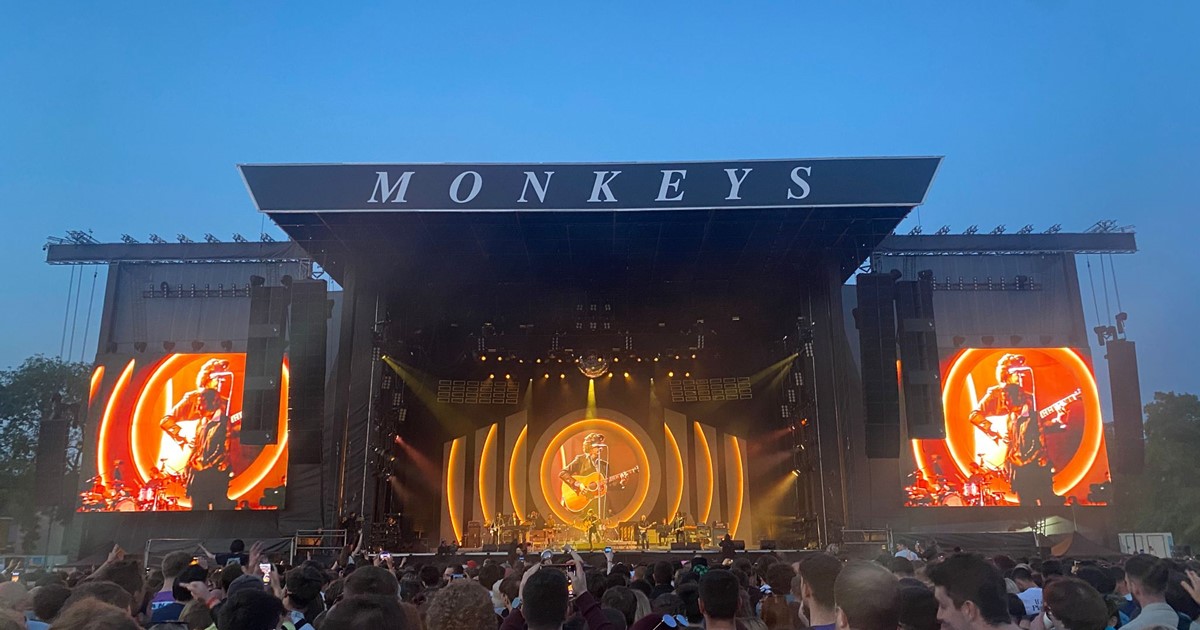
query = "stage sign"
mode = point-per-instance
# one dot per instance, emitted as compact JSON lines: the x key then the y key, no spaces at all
{"x":168,"y":440}
{"x":1023,"y":427}
{"x":792,"y":183}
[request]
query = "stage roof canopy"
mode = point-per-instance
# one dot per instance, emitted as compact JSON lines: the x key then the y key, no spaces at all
{"x":613,"y":222}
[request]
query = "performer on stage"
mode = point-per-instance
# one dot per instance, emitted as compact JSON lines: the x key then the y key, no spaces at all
{"x":209,"y":465}
{"x":591,"y":523}
{"x":1013,"y":397}
{"x":535,"y":520}
{"x":643,"y":532}
{"x":677,"y":525}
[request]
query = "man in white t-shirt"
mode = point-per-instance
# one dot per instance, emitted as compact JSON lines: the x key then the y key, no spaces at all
{"x":1030,"y":593}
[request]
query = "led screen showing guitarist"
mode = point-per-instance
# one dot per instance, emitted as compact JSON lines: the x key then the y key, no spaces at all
{"x":586,"y":479}
{"x":1014,"y":399}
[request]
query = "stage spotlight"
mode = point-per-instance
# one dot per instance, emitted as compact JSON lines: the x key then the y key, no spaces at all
{"x":197,"y":346}
{"x":168,"y":346}
{"x":796,"y":472}
{"x":562,"y":375}
{"x":610,"y":374}
{"x":988,"y":340}
{"x":1014,"y":340}
{"x":670,"y":375}
{"x":546,"y":375}
{"x":140,"y":346}
{"x":507,"y":377}
{"x":656,"y":359}
{"x":616,"y":359}
{"x":627,"y":375}
{"x":693,"y":356}
{"x":491,"y":376}
{"x":687,"y":375}
{"x":500,"y":358}
{"x":959,"y":340}
{"x":227,"y":345}
{"x":257,"y":281}
{"x":483,"y":357}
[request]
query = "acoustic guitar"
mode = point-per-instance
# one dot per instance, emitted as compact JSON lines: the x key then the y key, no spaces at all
{"x":593,"y":486}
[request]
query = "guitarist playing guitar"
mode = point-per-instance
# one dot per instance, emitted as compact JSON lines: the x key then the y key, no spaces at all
{"x":585,"y":479}
{"x":1013,"y":398}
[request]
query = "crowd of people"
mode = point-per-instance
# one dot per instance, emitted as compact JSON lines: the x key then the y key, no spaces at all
{"x":243,"y":590}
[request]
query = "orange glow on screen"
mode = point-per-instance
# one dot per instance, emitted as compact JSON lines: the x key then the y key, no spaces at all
{"x":707,"y":490}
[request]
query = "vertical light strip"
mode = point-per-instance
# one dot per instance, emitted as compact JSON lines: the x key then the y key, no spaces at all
{"x":706,"y":504}
{"x":485,"y":466}
{"x":673,"y":449}
{"x":454,"y":486}
{"x":740,"y":474}
{"x":103,"y":461}
{"x":512,"y":473}
{"x":97,"y":378}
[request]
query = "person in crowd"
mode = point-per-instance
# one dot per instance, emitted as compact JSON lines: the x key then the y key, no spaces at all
{"x":180,"y":595}
{"x":544,"y":600}
{"x":196,"y":615}
{"x":621,"y":599}
{"x":250,"y":609}
{"x":902,"y":551}
{"x":1147,"y":577}
{"x":866,"y":597}
{"x":970,"y":594}
{"x":101,"y":590}
{"x":918,"y":608}
{"x":371,"y":612}
{"x":372,"y":581}
{"x":1016,"y":610}
{"x":663,"y":572}
{"x":1028,"y":590}
{"x":1072,"y":604}
{"x":172,"y":565}
{"x":48,"y":600}
{"x":11,"y":620}
{"x":237,"y":554}
{"x":302,"y":596}
{"x":125,"y":573}
{"x":719,"y":600}
{"x":818,"y":575}
{"x":94,"y":614}
{"x":460,"y":605}
{"x":901,"y":567}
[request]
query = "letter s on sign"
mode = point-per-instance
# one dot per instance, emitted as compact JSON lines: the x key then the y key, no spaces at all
{"x":804,"y":187}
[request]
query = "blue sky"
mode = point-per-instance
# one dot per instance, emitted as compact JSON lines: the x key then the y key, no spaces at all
{"x":130,"y":117}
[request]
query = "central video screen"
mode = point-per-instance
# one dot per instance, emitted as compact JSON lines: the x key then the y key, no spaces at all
{"x":1023,"y":428}
{"x":168,"y":439}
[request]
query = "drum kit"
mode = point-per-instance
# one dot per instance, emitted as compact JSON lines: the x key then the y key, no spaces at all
{"x":983,"y":488}
{"x":159,"y":494}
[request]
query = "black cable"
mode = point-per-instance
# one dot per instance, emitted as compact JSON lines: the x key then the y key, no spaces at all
{"x":1113,"y":270}
{"x":75,"y":316}
{"x":1092,"y":281}
{"x":87,"y":324}
{"x":62,"y":344}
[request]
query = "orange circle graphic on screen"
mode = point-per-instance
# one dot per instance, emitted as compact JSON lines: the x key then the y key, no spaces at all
{"x":624,"y":453}
{"x":1061,"y":382}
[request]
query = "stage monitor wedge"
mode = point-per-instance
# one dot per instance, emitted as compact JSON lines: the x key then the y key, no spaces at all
{"x":266,"y":343}
{"x":876,"y":321}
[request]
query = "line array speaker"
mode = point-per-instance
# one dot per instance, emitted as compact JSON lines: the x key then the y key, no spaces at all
{"x":50,"y":463}
{"x":1126,"y":392}
{"x":876,"y":321}
{"x":265,"y":344}
{"x":307,"y":333}
{"x":920,"y":372}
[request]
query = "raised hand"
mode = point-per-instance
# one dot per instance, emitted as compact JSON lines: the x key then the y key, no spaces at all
{"x":578,"y":578}
{"x":1192,"y":585}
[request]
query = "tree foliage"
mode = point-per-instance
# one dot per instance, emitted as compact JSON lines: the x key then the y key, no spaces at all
{"x":1166,"y":496}
{"x":27,"y":394}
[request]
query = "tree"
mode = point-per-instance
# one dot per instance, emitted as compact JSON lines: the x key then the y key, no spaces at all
{"x":27,"y":394}
{"x":1166,"y":496}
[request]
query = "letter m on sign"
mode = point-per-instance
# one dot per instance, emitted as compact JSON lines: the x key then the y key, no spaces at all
{"x":386,"y":192}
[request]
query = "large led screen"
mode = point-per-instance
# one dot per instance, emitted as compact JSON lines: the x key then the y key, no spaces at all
{"x":1023,"y":428}
{"x":168,"y":439}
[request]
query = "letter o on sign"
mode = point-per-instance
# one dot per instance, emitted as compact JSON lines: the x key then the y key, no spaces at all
{"x":456,"y":186}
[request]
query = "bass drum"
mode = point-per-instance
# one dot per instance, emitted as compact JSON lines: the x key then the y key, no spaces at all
{"x":953,"y":499}
{"x":124,"y":504}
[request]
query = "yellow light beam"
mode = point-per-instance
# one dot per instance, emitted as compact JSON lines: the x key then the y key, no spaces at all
{"x":589,"y":412}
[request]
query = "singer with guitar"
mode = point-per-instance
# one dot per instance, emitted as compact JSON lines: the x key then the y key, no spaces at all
{"x":1014,"y":399}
